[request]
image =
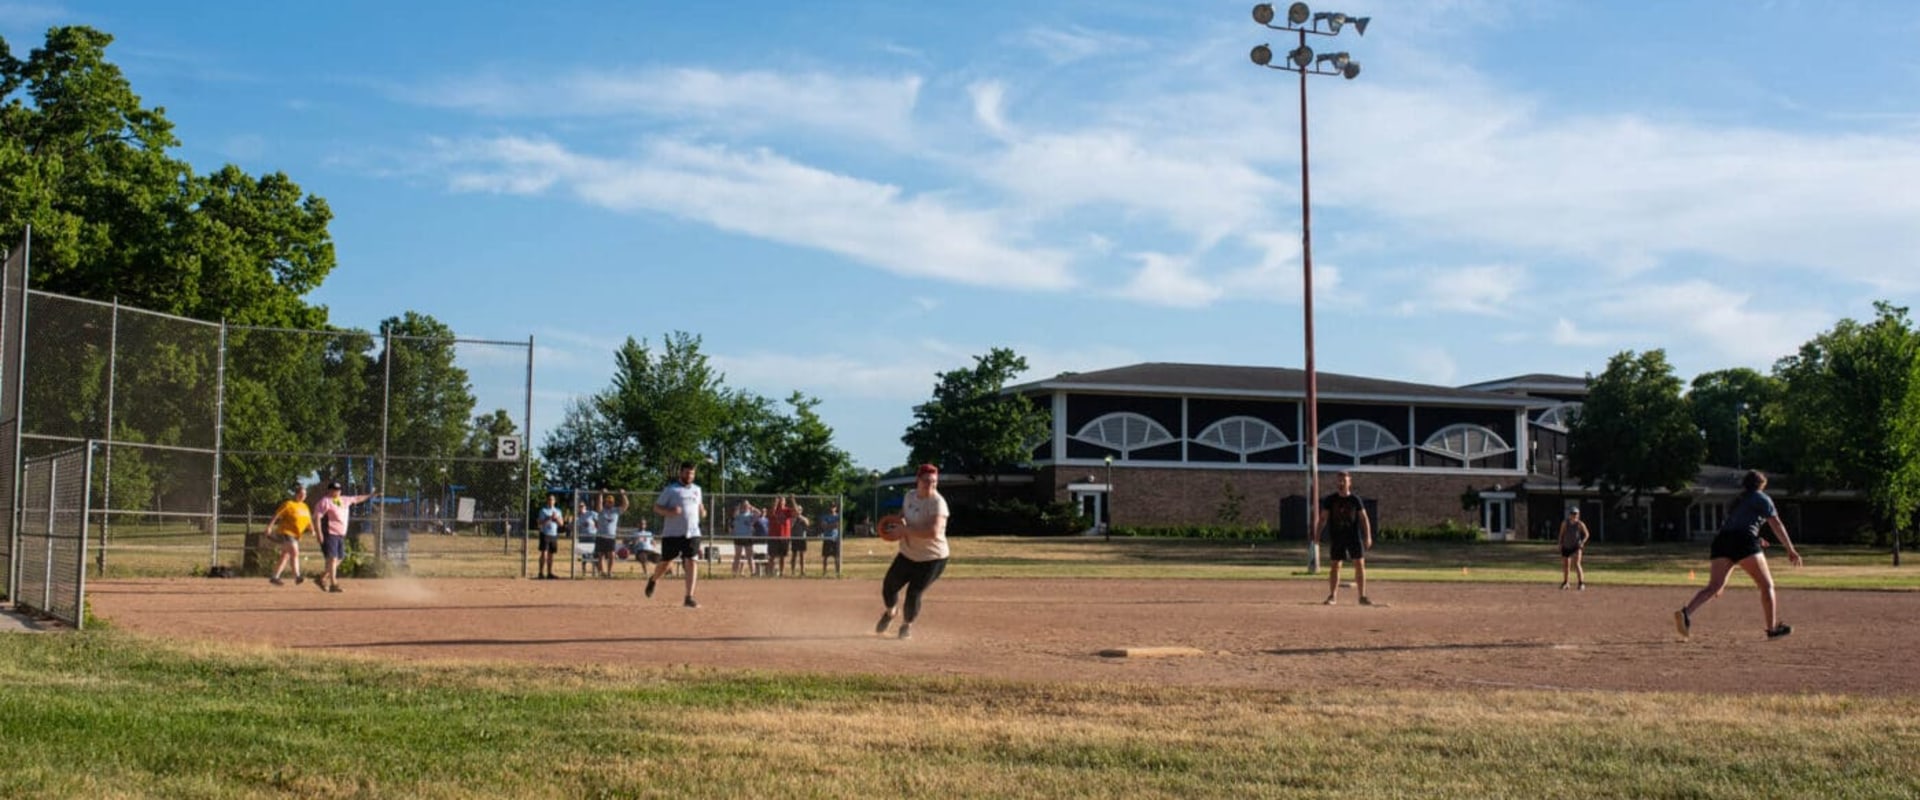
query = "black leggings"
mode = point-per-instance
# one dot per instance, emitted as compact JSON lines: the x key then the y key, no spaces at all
{"x":915,"y":576}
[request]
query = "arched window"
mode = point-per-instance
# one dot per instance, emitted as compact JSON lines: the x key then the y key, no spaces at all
{"x":1124,"y":431}
{"x":1467,"y":442}
{"x":1559,"y":417}
{"x":1358,"y":438}
{"x":1243,"y":435}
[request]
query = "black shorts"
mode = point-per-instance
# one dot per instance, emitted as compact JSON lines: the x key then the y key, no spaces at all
{"x":830,"y":548}
{"x":1736,"y":546}
{"x":1569,"y":552}
{"x":1345,"y":548}
{"x":799,"y":545}
{"x":777,"y":548}
{"x":679,"y":548}
{"x":603,"y":545}
{"x":549,"y":544}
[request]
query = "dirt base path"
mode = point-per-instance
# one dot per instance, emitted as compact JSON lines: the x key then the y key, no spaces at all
{"x":1258,"y":634}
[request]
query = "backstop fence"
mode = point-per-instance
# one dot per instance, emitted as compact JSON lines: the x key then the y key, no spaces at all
{"x":198,"y":430}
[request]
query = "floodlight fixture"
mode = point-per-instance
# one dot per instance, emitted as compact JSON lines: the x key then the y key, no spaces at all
{"x":1351,"y":70}
{"x":1298,"y":13}
{"x":1301,"y":56}
{"x":1263,"y":13}
{"x":1360,"y":24}
{"x":1262,"y":55}
{"x":1340,"y":60}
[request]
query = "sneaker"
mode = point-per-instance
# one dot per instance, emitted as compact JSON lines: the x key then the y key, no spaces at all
{"x":320,"y":583}
{"x":1683,"y":622}
{"x":649,"y":587}
{"x":1583,"y":587}
{"x":299,"y":579}
{"x":1328,"y":601}
{"x":1563,"y":586}
{"x":691,"y":603}
{"x":1365,"y":601}
{"x":335,"y":588}
{"x":885,"y":620}
{"x":906,"y":630}
{"x":276,"y":581}
{"x":1779,"y":630}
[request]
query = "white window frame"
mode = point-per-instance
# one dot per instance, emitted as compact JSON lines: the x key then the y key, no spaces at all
{"x":1270,"y":437}
{"x":1560,"y":417}
{"x":1330,"y":439}
{"x":1489,"y":444}
{"x":1149,"y":433}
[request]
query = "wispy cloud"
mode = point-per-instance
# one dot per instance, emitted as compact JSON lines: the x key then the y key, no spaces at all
{"x":738,"y":102}
{"x":1074,"y":43}
{"x":1168,"y":281}
{"x":1726,"y":320}
{"x":761,"y":194}
{"x":30,"y":17}
{"x":1487,"y":289}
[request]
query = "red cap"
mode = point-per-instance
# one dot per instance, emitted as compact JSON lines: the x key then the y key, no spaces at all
{"x":929,"y":469}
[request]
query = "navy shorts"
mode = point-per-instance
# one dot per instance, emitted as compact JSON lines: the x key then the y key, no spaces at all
{"x":334,"y":547}
{"x":1345,"y":548}
{"x":603,"y":545}
{"x":549,"y":544}
{"x":777,"y":548}
{"x":799,"y":545}
{"x":1736,"y":546}
{"x":830,"y":548}
{"x":680,"y":548}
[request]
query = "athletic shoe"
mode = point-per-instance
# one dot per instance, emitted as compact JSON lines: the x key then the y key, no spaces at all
{"x":649,"y":587}
{"x":276,"y":581}
{"x":335,"y":588}
{"x":1563,"y":586}
{"x":299,"y":579}
{"x":1364,"y":601}
{"x":1583,"y":587}
{"x":1683,"y":622}
{"x":1779,"y":630}
{"x":885,"y":620}
{"x":906,"y":630}
{"x":1328,"y":601}
{"x":320,"y":583}
{"x":691,"y":603}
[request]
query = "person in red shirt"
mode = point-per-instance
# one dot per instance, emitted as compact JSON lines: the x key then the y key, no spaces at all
{"x":780,"y":527}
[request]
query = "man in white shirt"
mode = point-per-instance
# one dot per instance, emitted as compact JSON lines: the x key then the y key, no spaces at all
{"x":923,"y":550}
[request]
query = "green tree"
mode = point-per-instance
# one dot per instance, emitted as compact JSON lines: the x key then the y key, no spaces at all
{"x":1634,"y":433}
{"x":805,"y":459}
{"x":429,"y":401}
{"x":497,"y":485}
{"x":1847,"y":406}
{"x":969,"y":427}
{"x":1731,"y":406}
{"x":114,"y":216}
{"x":579,"y":449}
{"x":666,"y":408}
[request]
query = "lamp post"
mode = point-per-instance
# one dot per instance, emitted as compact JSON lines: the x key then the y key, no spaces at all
{"x":1302,"y":20}
{"x":1739,"y":433}
{"x":876,"y":502}
{"x":1108,"y":528}
{"x":1560,"y":480}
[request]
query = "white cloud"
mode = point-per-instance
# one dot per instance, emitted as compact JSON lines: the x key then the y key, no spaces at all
{"x":1565,"y":332}
{"x":1168,"y":281}
{"x":1074,"y":43}
{"x":989,"y":98}
{"x":1429,"y":364}
{"x":1724,"y":320}
{"x":1487,"y":289}
{"x":762,"y":194}
{"x":876,"y":108}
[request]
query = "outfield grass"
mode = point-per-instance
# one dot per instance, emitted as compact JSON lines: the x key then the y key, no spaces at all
{"x":102,"y":714}
{"x":174,"y":554}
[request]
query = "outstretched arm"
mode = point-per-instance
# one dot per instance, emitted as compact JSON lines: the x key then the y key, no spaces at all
{"x":1780,"y":532}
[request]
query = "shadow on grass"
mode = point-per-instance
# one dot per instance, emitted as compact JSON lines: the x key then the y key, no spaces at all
{"x":584,"y":640}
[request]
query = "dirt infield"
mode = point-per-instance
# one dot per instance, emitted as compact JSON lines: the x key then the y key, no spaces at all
{"x":1273,"y":634}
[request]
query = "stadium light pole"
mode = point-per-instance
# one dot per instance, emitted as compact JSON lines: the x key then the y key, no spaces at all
{"x":1302,"y":20}
{"x":1108,"y":528}
{"x":1560,"y":480}
{"x":1739,"y":429}
{"x":875,"y":519}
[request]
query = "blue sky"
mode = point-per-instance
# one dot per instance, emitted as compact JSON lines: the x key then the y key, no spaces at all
{"x":846,"y":198}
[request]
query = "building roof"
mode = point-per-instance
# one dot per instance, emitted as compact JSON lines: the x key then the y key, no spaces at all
{"x":1534,"y":383}
{"x":1277,"y":382}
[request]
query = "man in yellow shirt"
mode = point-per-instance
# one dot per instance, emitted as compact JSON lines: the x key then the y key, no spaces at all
{"x":290,"y":521}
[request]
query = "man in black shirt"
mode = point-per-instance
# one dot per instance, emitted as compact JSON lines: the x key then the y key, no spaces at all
{"x":1344,"y":523}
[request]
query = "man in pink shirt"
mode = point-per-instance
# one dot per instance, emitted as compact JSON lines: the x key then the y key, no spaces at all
{"x":331,"y":517}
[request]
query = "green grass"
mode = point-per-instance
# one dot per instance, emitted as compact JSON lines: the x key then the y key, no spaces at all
{"x":109,"y":715}
{"x":173,"y":553}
